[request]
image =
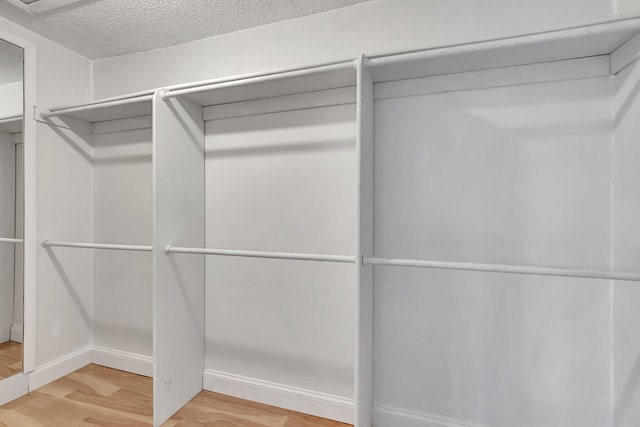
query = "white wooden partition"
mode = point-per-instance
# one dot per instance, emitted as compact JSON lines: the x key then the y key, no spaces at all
{"x":178,"y":279}
{"x":364,"y":273}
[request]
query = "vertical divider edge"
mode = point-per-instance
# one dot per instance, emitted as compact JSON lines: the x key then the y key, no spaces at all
{"x":364,"y":273}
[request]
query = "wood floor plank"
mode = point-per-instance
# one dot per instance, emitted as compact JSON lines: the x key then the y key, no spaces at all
{"x":95,"y":396}
{"x":233,"y":412}
{"x":10,"y":359}
{"x":90,"y":397}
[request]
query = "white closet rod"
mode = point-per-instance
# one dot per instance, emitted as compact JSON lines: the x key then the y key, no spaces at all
{"x":7,"y":240}
{"x":505,"y":268}
{"x":140,"y":248}
{"x":260,"y":254}
{"x":102,"y":104}
{"x":171,"y":93}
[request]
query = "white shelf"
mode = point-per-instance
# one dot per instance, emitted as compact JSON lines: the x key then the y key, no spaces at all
{"x":226,"y":91}
{"x":580,"y":42}
{"x":106,"y":110}
{"x":11,"y":124}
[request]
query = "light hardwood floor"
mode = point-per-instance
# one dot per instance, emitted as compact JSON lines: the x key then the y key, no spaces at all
{"x":98,"y":396}
{"x":211,"y":409}
{"x":10,"y":359}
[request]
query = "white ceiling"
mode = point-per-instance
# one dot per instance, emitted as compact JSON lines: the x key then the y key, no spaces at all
{"x":10,"y":63}
{"x":105,"y":28}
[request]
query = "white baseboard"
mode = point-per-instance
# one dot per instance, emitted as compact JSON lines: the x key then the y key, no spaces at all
{"x":110,"y":358}
{"x":292,"y":398}
{"x":395,"y":417}
{"x":16,"y":333}
{"x":59,"y":368}
{"x":13,"y":387}
{"x":283,"y":396}
{"x":123,"y":361}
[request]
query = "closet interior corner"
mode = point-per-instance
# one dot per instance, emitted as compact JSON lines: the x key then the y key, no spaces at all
{"x":256,"y":209}
{"x":503,"y":237}
{"x":95,"y":192}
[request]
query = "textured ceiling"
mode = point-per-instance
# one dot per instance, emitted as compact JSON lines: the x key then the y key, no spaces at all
{"x":104,"y":28}
{"x":10,"y":63}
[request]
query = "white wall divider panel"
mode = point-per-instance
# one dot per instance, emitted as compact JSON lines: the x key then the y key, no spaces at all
{"x":364,"y":273}
{"x":178,"y":279}
{"x":498,"y":157}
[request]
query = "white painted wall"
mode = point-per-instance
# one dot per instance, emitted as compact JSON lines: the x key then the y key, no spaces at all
{"x":627,"y":6}
{"x":626,"y":248}
{"x":63,"y":76}
{"x":11,"y":96}
{"x":64,"y":203}
{"x":377,"y":27}
{"x":517,"y":175}
{"x":7,"y":229}
{"x":122,"y":206}
{"x":282,"y":182}
{"x":65,"y":212}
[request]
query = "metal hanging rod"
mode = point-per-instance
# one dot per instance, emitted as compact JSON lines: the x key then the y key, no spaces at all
{"x":223,"y":83}
{"x":259,"y":254}
{"x":97,"y":105}
{"x":505,"y":268}
{"x":9,"y":240}
{"x":139,"y":248}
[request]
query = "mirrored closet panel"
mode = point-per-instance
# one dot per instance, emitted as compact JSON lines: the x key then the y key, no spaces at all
{"x":11,"y":209}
